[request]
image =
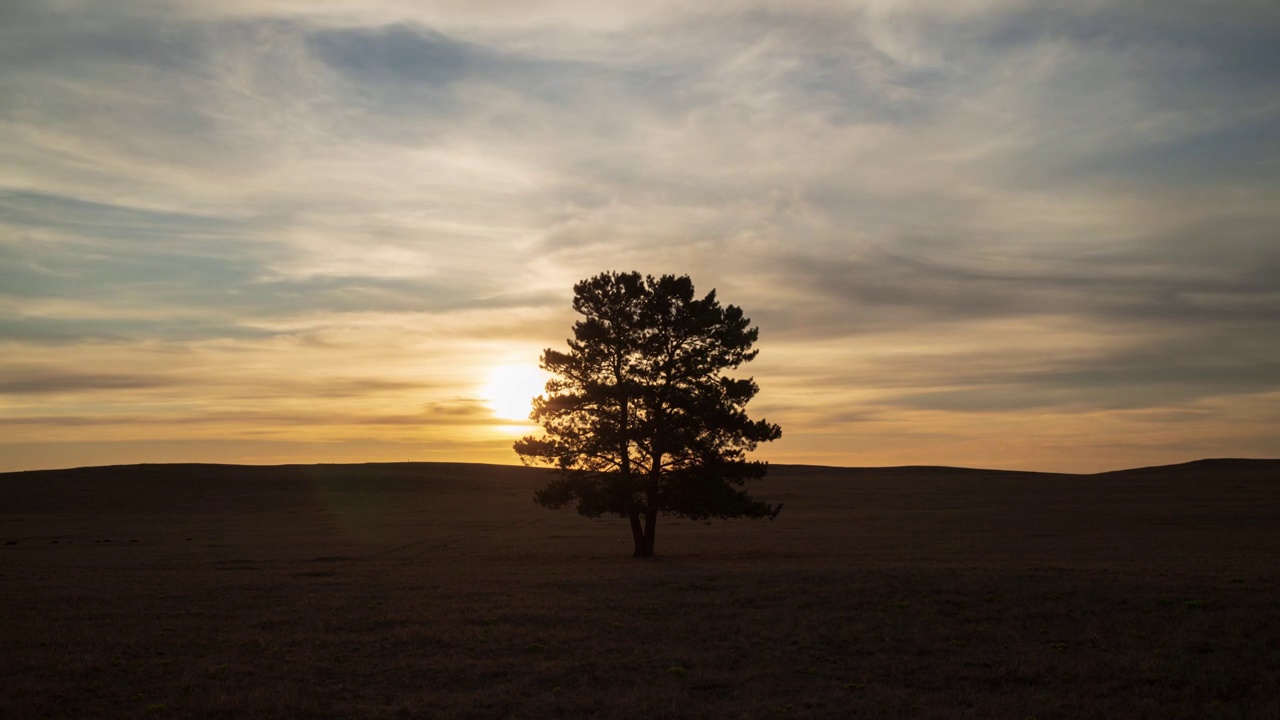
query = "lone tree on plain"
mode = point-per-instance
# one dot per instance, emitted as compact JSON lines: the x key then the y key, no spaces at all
{"x":639,"y":418}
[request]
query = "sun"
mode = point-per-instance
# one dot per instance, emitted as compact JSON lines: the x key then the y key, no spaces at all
{"x":510,"y":389}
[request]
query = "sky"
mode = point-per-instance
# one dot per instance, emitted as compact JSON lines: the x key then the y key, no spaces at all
{"x":992,"y":233}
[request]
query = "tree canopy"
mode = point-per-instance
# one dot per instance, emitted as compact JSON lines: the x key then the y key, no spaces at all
{"x":639,"y":417}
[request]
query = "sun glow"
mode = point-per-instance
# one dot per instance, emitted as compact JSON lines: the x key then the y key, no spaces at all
{"x":510,"y":389}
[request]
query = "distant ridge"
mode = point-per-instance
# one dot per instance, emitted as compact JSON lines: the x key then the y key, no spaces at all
{"x":368,"y":469}
{"x":402,"y":468}
{"x":1205,"y":465}
{"x":903,"y":470}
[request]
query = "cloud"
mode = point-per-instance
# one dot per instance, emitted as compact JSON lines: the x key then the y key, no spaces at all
{"x":19,"y":381}
{"x":47,"y":379}
{"x":1173,"y":278}
{"x":189,"y":276}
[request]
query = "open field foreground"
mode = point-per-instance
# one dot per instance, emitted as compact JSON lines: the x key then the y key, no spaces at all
{"x":441,"y":590}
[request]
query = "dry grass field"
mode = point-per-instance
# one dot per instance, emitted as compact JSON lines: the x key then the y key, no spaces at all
{"x":442,"y":590}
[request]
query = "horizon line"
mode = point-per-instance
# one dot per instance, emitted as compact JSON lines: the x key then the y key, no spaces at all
{"x":1198,"y":461}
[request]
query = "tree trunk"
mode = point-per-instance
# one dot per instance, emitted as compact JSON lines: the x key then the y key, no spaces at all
{"x":650,"y":530}
{"x":643,"y":549}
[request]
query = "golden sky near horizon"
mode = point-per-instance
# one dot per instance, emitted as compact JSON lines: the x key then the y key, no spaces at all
{"x":986,"y":233}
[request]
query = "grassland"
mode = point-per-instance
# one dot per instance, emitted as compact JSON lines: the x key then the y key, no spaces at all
{"x":440,"y":590}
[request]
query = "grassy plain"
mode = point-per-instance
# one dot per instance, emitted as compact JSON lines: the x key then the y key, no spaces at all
{"x":441,"y":590}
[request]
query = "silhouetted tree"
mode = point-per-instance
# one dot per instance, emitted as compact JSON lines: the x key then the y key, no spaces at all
{"x":639,"y":418}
